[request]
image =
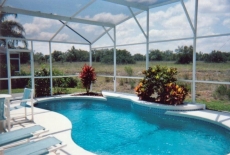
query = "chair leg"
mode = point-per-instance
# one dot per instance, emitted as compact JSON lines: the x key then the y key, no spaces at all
{"x":25,"y":113}
{"x":1,"y":151}
{"x":8,"y":115}
{"x":32,"y":111}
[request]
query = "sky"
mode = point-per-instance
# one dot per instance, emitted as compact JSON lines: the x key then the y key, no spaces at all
{"x":166,"y":22}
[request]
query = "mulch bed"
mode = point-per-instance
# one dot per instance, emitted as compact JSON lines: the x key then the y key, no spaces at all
{"x":88,"y":94}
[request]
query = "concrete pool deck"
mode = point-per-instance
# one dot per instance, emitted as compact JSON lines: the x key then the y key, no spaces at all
{"x":60,"y":127}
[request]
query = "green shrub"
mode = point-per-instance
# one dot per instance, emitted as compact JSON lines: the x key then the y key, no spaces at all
{"x":222,"y":92}
{"x":60,"y":85}
{"x":129,"y":70}
{"x":71,"y":82}
{"x":107,"y":79}
{"x":121,"y":82}
{"x":21,"y":82}
{"x":60,"y":90}
{"x":132,"y":83}
{"x":42,"y":86}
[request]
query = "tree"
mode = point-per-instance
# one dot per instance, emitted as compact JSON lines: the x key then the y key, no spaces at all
{"x":168,"y":55}
{"x":24,"y":57}
{"x":216,"y":56}
{"x":56,"y":55}
{"x":155,"y":55}
{"x":184,"y":54}
{"x":39,"y":57}
{"x":97,"y":55}
{"x":123,"y":57}
{"x":9,"y":28}
{"x":107,"y":56}
{"x":74,"y":55}
{"x":138,"y":57}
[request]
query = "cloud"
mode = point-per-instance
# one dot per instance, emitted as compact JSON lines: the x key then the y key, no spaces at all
{"x":31,"y":28}
{"x":214,"y":6}
{"x":179,"y":22}
{"x":42,"y":28}
{"x":217,"y":43}
{"x":38,"y":25}
{"x":226,"y":23}
{"x":166,"y":22}
{"x":171,"y":22}
{"x":107,"y":17}
{"x":11,"y":18}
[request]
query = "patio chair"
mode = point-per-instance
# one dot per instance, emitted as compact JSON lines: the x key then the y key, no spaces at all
{"x":17,"y":136}
{"x":43,"y":146}
{"x":2,"y":109}
{"x":27,"y":96}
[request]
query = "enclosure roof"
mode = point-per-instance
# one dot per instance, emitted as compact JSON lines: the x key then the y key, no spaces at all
{"x":102,"y":14}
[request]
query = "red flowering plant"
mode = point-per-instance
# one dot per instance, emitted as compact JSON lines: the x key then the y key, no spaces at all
{"x":87,"y":77}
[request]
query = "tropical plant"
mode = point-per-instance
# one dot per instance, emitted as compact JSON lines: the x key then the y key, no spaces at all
{"x":159,"y":85}
{"x":9,"y":28}
{"x":87,"y":77}
{"x":172,"y":94}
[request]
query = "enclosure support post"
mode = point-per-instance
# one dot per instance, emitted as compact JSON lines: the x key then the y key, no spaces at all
{"x":114,"y":61}
{"x":90,"y":54}
{"x":8,"y":67}
{"x":32,"y":66}
{"x":19,"y":63}
{"x":51,"y":74}
{"x":90,"y":62}
{"x":147,"y":41}
{"x":194,"y":55}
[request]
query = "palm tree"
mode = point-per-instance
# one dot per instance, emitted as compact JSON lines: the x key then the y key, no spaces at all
{"x":9,"y":28}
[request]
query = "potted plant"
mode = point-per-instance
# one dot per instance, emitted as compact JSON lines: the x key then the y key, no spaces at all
{"x":159,"y":85}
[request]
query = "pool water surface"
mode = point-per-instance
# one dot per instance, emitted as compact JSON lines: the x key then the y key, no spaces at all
{"x":104,"y":129}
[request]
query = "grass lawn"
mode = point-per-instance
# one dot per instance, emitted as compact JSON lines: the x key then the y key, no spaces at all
{"x":217,"y":105}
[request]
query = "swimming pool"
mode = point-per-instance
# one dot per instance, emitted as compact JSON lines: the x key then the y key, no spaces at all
{"x":103,"y":127}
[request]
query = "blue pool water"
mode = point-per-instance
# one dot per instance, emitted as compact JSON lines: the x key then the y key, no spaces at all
{"x":105,"y":129}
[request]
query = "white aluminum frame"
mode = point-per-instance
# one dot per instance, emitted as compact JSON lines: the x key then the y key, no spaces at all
{"x":111,"y":26}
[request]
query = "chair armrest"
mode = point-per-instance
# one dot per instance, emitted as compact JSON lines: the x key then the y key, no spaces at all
{"x":19,"y":101}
